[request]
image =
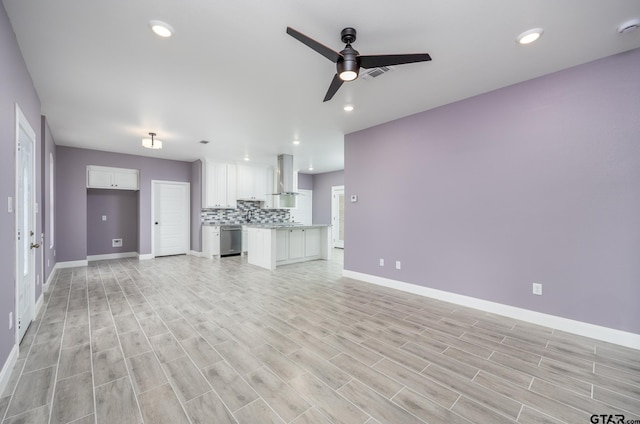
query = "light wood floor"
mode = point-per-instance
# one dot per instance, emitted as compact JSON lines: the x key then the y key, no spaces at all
{"x":183,"y":339}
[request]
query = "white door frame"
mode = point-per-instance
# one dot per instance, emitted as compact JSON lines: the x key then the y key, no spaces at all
{"x":335,"y":215}
{"x":187,"y":235}
{"x":23,"y":123}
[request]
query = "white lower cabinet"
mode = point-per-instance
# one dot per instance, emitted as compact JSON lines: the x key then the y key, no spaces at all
{"x":282,"y":245}
{"x":245,"y":239}
{"x":296,"y":244}
{"x":210,"y":241}
{"x":271,"y":247}
{"x":312,"y":242}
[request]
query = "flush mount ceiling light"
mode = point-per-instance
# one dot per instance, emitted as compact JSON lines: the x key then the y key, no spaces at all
{"x":529,"y":36}
{"x":151,"y":143}
{"x":629,"y":26}
{"x":348,"y":108}
{"x":246,"y":158}
{"x":296,"y":142}
{"x":162,"y":29}
{"x":311,"y":168}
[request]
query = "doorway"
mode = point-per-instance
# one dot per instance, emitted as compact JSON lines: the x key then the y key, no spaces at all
{"x":25,"y":210}
{"x":170,"y":217}
{"x":337,"y":216}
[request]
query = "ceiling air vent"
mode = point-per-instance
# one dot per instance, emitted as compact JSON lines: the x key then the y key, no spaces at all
{"x":374,"y":72}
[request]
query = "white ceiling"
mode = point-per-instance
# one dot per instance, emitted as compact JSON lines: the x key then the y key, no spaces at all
{"x":231,"y":74}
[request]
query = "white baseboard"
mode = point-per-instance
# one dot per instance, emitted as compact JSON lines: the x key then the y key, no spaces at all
{"x":196,"y":254}
{"x":46,"y":286}
{"x":71,"y":264}
{"x":598,"y":332}
{"x":39,"y":303}
{"x":5,"y":373}
{"x":112,"y":256}
{"x":145,"y":256}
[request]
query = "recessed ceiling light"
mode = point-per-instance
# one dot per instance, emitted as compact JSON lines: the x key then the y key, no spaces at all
{"x":311,"y":168}
{"x":529,"y":36}
{"x":162,"y":29}
{"x":246,"y":158}
{"x":296,"y":142}
{"x":348,"y":108}
{"x":629,"y":26}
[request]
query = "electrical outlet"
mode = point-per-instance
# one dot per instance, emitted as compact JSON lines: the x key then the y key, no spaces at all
{"x":10,"y":320}
{"x":537,"y":289}
{"x":116,"y":243}
{"x":381,"y":262}
{"x":397,"y":264}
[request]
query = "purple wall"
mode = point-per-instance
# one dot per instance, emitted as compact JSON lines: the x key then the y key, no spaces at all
{"x":536,"y":182}
{"x":305,"y":181}
{"x":16,"y":87}
{"x":322,"y":184}
{"x":196,"y":205}
{"x":71,"y":191}
{"x":48,"y":149}
{"x":121,"y":209}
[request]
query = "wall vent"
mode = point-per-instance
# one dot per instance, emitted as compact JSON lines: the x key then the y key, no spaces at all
{"x":375,"y":72}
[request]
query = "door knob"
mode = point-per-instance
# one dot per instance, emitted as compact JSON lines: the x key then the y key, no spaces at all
{"x":34,"y":246}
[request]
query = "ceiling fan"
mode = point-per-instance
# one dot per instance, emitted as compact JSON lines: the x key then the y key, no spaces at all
{"x":349,"y":61}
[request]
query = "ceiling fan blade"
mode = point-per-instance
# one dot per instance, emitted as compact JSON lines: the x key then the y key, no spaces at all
{"x":320,"y":48}
{"x":376,"y":61}
{"x":336,"y":83}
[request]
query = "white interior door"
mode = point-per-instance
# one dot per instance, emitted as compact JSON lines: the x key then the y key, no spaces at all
{"x":170,"y":216}
{"x":337,"y":216}
{"x":25,"y":224}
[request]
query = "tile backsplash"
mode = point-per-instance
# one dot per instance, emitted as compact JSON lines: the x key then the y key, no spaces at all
{"x":246,"y":211}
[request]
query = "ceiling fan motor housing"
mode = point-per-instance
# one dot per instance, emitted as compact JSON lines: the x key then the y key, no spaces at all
{"x":348,"y":61}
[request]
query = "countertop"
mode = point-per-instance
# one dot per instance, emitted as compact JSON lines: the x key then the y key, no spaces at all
{"x":278,"y":226}
{"x":270,"y":226}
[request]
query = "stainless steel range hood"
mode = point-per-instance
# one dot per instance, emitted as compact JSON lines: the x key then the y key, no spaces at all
{"x":285,"y":176}
{"x":284,"y":184}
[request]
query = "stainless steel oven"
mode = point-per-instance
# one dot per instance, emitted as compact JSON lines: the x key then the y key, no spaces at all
{"x":230,"y":240}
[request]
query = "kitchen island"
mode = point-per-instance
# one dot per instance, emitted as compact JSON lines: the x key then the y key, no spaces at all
{"x":271,"y":245}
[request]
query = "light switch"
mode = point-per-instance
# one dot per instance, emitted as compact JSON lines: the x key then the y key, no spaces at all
{"x":10,"y":204}
{"x":104,"y":217}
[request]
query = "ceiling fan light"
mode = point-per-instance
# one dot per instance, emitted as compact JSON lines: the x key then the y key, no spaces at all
{"x":348,"y":75}
{"x":348,"y":69}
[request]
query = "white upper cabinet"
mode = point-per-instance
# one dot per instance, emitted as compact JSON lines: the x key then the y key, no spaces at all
{"x":270,"y":199}
{"x":253,"y":182}
{"x":218,"y":184}
{"x":112,"y":178}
